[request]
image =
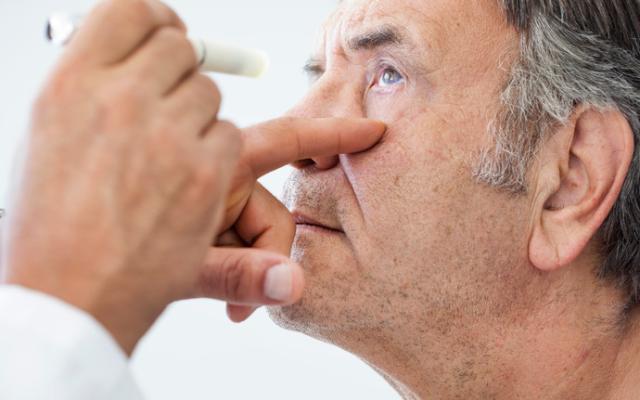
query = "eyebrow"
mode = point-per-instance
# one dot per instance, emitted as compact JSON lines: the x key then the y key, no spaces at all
{"x":382,"y":36}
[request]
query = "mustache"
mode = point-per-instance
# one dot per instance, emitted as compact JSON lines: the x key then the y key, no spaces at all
{"x":304,"y":192}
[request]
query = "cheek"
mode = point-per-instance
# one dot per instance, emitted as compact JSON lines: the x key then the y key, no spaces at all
{"x":417,"y":154}
{"x":410,"y":189}
{"x":388,"y":107}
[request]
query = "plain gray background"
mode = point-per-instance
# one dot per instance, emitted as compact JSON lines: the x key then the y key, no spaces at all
{"x":193,"y":352}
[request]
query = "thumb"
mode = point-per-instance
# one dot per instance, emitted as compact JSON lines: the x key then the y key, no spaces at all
{"x":250,"y":277}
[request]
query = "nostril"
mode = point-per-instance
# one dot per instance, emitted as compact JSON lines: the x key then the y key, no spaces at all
{"x":324,"y":163}
{"x":301,"y":164}
{"x":321,"y":163}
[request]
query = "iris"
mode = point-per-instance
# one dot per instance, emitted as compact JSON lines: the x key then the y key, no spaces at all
{"x":389,"y":77}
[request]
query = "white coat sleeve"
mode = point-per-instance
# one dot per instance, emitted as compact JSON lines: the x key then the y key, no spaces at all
{"x":51,"y":350}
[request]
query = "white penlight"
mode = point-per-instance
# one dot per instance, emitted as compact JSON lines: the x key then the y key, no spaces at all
{"x":216,"y":56}
{"x":213,"y":56}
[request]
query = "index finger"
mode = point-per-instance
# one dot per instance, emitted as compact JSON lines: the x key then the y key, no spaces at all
{"x":115,"y":28}
{"x":276,"y":143}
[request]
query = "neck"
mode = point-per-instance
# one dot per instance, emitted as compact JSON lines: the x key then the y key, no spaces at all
{"x":551,"y":354}
{"x":626,"y":371}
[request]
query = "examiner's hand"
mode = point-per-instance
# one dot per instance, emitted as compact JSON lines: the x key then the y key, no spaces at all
{"x":126,"y":171}
{"x":255,"y":219}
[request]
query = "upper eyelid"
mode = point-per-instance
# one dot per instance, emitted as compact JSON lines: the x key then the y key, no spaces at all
{"x":384,"y":64}
{"x":389,"y":62}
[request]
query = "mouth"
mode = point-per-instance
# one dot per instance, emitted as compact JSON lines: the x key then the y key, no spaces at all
{"x":306,"y":222}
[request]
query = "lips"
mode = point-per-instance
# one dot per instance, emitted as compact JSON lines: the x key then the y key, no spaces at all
{"x":304,"y":220}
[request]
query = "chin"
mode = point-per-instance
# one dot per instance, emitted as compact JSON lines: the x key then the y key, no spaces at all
{"x":336,"y":299}
{"x":317,"y":311}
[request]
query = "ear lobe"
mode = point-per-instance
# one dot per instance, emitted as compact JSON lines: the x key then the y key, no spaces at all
{"x":579,"y":181}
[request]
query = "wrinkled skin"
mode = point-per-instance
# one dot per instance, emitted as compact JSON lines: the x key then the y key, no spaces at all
{"x":425,"y":272}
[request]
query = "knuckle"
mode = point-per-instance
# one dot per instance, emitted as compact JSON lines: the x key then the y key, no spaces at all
{"x":172,"y":43}
{"x":166,"y":44}
{"x":171,"y":37}
{"x":230,"y":130}
{"x":167,"y":14}
{"x":211,"y":87}
{"x":207,"y":90}
{"x":179,"y":45}
{"x":173,"y":16}
{"x":138,"y":11}
{"x":238,"y":279}
{"x":147,"y":14}
{"x":202,"y":95}
{"x":233,"y":280}
{"x":232,"y":137}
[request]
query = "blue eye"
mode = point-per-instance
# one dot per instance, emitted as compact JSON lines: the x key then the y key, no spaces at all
{"x":389,"y":77}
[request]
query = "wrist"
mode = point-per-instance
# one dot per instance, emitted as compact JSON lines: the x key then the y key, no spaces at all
{"x":126,"y":319}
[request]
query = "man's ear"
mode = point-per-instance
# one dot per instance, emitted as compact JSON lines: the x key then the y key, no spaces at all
{"x":581,"y":172}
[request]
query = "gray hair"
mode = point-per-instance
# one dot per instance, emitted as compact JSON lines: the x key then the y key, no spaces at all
{"x":572,"y":52}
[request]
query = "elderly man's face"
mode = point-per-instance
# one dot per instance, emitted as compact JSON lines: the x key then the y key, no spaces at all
{"x":416,"y":243}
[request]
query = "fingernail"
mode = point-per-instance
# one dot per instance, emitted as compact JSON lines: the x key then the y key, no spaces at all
{"x":278,"y":284}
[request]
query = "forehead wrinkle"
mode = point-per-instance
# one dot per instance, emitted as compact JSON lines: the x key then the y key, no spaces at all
{"x":346,"y":20}
{"x":418,"y":33}
{"x":374,"y":22}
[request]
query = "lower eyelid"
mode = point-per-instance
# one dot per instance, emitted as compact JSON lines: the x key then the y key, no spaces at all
{"x":387,"y":89}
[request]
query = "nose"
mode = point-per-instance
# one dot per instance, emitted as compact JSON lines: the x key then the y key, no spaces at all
{"x":333,"y":95}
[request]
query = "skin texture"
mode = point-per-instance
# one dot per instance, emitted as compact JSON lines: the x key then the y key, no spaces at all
{"x":448,"y":288}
